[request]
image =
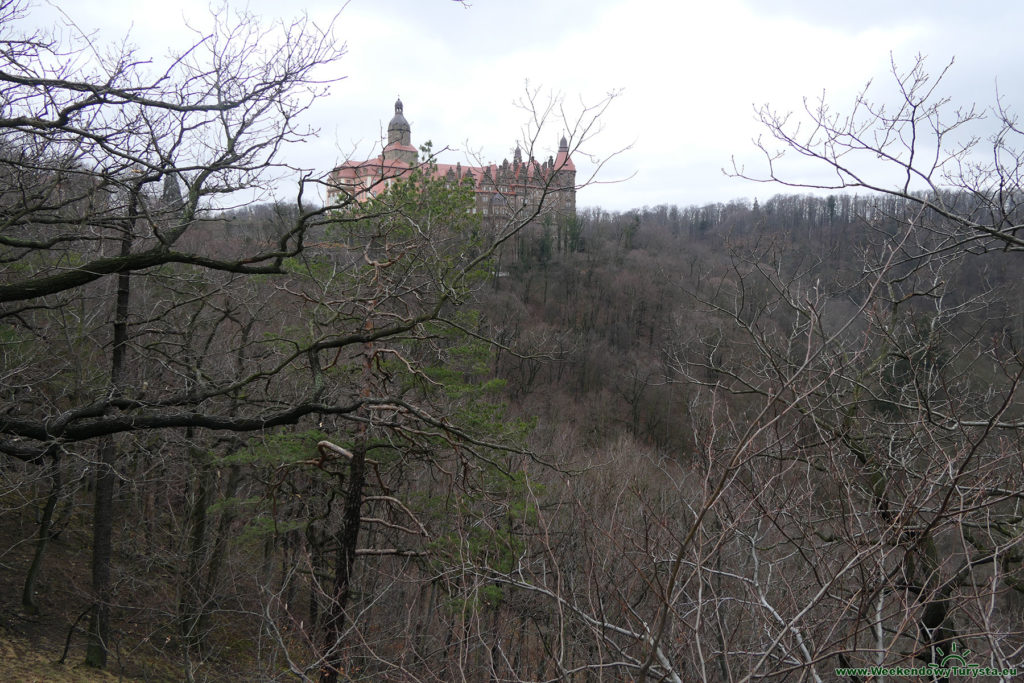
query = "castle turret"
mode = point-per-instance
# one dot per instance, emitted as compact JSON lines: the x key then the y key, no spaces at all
{"x":564,"y":180}
{"x":563,"y":162}
{"x":398,"y":129}
{"x":399,"y":147}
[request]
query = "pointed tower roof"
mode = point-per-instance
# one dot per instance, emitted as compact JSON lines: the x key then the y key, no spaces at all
{"x":563,"y":162}
{"x":399,"y":147}
{"x":398,"y":122}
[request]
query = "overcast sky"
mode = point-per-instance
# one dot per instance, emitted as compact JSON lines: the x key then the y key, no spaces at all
{"x":690,"y":73}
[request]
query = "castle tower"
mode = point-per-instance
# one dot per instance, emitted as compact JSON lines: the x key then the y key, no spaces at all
{"x":399,"y":147}
{"x":565,"y":179}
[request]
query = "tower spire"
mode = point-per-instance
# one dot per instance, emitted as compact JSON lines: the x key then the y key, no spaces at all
{"x":399,"y":132}
{"x":399,"y":147}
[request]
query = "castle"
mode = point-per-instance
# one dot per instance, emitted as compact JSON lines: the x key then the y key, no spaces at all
{"x":531,"y":191}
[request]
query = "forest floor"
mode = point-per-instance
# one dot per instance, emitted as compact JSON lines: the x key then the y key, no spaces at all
{"x":31,"y":645}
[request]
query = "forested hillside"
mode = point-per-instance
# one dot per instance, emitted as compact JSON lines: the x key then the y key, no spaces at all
{"x":633,"y":366}
{"x":395,"y":440}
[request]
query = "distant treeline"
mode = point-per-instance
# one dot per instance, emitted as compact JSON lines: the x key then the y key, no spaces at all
{"x":804,"y":211}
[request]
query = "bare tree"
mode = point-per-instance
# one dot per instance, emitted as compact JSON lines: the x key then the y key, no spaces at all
{"x":866,"y":429}
{"x":853,"y":495}
{"x":958,"y":163}
{"x":89,"y":139}
{"x":152,"y":345}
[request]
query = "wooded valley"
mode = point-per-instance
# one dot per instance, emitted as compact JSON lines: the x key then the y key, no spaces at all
{"x":393,"y":440}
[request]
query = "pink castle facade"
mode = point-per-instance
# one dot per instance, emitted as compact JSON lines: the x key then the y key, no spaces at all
{"x":529,"y":190}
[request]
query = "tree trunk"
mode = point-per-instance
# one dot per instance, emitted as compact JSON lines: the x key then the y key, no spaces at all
{"x":102,"y":531}
{"x":348,"y":539}
{"x":315,"y":541}
{"x":103,"y":507}
{"x":192,"y":594}
{"x":28,"y":600}
{"x":216,"y":561}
